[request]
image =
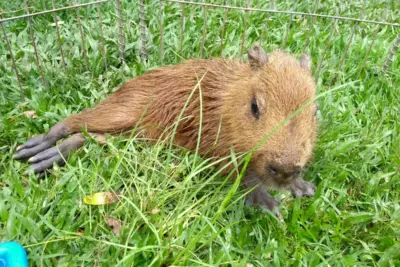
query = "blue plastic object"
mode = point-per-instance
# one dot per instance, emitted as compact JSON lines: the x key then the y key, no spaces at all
{"x":12,"y":254}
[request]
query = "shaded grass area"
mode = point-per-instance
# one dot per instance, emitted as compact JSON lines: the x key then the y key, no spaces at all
{"x":171,"y":211}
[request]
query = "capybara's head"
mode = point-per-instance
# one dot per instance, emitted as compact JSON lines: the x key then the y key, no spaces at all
{"x":273,"y":87}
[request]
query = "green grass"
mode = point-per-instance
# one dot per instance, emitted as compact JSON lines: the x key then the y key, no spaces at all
{"x":177,"y":209}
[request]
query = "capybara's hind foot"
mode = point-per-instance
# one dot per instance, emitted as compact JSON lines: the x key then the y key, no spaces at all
{"x":41,"y":142}
{"x":41,"y":151}
{"x":57,"y":154}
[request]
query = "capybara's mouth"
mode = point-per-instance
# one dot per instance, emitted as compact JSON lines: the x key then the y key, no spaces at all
{"x":282,"y":182}
{"x":280,"y":177}
{"x":277,"y":181}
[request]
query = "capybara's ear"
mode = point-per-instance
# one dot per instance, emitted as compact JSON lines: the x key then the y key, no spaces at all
{"x":257,"y":57}
{"x":305,"y":61}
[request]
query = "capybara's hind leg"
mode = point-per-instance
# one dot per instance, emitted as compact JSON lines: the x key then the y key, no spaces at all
{"x":115,"y":114}
{"x":110,"y":116}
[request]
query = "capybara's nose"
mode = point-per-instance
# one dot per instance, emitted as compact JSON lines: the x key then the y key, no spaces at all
{"x":283,"y":171}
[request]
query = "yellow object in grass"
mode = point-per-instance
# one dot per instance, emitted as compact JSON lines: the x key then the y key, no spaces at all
{"x":101,"y":198}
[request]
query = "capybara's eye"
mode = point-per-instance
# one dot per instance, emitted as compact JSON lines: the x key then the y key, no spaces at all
{"x":254,"y":108}
{"x":316,"y":108}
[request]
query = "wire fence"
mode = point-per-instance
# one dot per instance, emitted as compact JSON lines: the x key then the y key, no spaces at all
{"x":206,"y":8}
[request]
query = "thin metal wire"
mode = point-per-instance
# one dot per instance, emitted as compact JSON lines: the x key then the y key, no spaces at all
{"x":143,"y":36}
{"x":289,"y":25}
{"x":53,"y":10}
{"x":58,"y":35}
{"x":391,"y":54}
{"x":161,"y":33}
{"x":103,"y":49}
{"x":287,"y":12}
{"x":13,"y":61}
{"x":121,"y":38}
{"x":223,"y":29}
{"x":2,"y":12}
{"x":310,"y":26}
{"x":182,"y":30}
{"x":78,"y":17}
{"x":246,"y":17}
{"x":34,"y":45}
{"x":226,"y":8}
{"x":204,"y":31}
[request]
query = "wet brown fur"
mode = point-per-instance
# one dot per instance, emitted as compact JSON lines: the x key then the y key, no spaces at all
{"x":154,"y":101}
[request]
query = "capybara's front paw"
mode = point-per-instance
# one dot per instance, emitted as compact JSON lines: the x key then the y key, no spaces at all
{"x":301,"y":188}
{"x":260,"y":197}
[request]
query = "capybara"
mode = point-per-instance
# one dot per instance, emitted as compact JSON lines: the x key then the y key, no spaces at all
{"x":238,"y":105}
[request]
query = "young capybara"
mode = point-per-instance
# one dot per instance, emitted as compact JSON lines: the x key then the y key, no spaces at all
{"x":239,"y":104}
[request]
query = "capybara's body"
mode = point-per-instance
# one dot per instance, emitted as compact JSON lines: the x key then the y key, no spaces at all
{"x":167,"y":99}
{"x":232,"y":105}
